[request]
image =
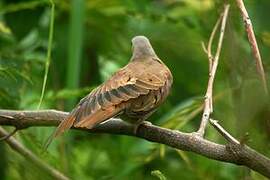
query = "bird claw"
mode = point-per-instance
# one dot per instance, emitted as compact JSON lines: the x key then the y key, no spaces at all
{"x":137,"y":125}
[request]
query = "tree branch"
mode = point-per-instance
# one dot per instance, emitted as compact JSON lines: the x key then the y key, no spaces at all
{"x":17,"y":146}
{"x":253,"y":43}
{"x":240,"y":155}
{"x":213,"y":64}
{"x":223,"y":132}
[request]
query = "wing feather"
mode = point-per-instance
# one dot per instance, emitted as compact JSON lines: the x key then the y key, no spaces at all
{"x":105,"y":101}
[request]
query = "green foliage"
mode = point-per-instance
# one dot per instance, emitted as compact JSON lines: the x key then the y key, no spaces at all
{"x":158,"y":174}
{"x":180,"y":114}
{"x":91,"y":40}
{"x":75,"y":46}
{"x":49,"y":52}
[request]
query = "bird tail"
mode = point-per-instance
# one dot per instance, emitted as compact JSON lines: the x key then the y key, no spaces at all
{"x":63,"y":126}
{"x":99,"y":116}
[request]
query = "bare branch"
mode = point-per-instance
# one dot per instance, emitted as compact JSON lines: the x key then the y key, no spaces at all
{"x":209,"y":46}
{"x":184,"y":141}
{"x":17,"y":146}
{"x":223,"y":132}
{"x":208,"y":105}
{"x":204,"y":48}
{"x":253,"y":43}
{"x":9,"y":135}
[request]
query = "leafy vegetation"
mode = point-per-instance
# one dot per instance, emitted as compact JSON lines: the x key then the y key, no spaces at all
{"x":89,"y":41}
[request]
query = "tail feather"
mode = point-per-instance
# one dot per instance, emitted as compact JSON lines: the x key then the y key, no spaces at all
{"x":79,"y":118}
{"x":99,"y":116}
{"x":64,"y":125}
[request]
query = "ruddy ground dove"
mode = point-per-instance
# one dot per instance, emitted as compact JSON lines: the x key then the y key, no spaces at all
{"x":133,"y":93}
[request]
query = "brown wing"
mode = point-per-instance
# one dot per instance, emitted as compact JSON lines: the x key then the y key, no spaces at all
{"x":109,"y":99}
{"x":142,"y":107}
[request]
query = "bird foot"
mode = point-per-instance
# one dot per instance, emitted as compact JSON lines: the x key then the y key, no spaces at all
{"x":137,"y":125}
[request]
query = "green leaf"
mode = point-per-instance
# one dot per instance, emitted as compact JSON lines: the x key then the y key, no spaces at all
{"x":4,"y":28}
{"x":158,"y":174}
{"x":162,"y":150}
{"x":75,"y":46}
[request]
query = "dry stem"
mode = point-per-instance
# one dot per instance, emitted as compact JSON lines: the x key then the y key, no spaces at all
{"x":213,"y":64}
{"x":253,"y":43}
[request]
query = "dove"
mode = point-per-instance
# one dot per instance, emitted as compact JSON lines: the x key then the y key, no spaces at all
{"x":133,"y":93}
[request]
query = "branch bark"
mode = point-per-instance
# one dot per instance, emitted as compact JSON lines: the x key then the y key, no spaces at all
{"x":236,"y":154}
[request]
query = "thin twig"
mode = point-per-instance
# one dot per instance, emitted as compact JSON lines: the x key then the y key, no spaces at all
{"x":204,"y":48}
{"x":209,"y":47}
{"x":18,"y":147}
{"x":176,"y":139}
{"x":9,"y":134}
{"x":208,"y":107}
{"x":223,"y":132}
{"x":253,"y":43}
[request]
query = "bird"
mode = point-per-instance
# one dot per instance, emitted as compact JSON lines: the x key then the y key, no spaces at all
{"x":132,"y":93}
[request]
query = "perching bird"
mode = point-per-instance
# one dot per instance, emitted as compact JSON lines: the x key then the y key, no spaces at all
{"x":133,"y":93}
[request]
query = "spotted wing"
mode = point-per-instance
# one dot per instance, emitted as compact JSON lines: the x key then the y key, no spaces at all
{"x":108,"y":99}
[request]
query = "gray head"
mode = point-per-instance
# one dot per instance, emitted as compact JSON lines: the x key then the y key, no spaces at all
{"x":142,"y":48}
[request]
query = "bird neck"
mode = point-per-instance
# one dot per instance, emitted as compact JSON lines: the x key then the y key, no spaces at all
{"x":142,"y":52}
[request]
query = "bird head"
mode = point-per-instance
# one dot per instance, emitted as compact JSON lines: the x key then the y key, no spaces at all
{"x":142,"y":48}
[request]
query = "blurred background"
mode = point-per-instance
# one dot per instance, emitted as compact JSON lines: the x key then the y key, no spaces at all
{"x":91,"y":40}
